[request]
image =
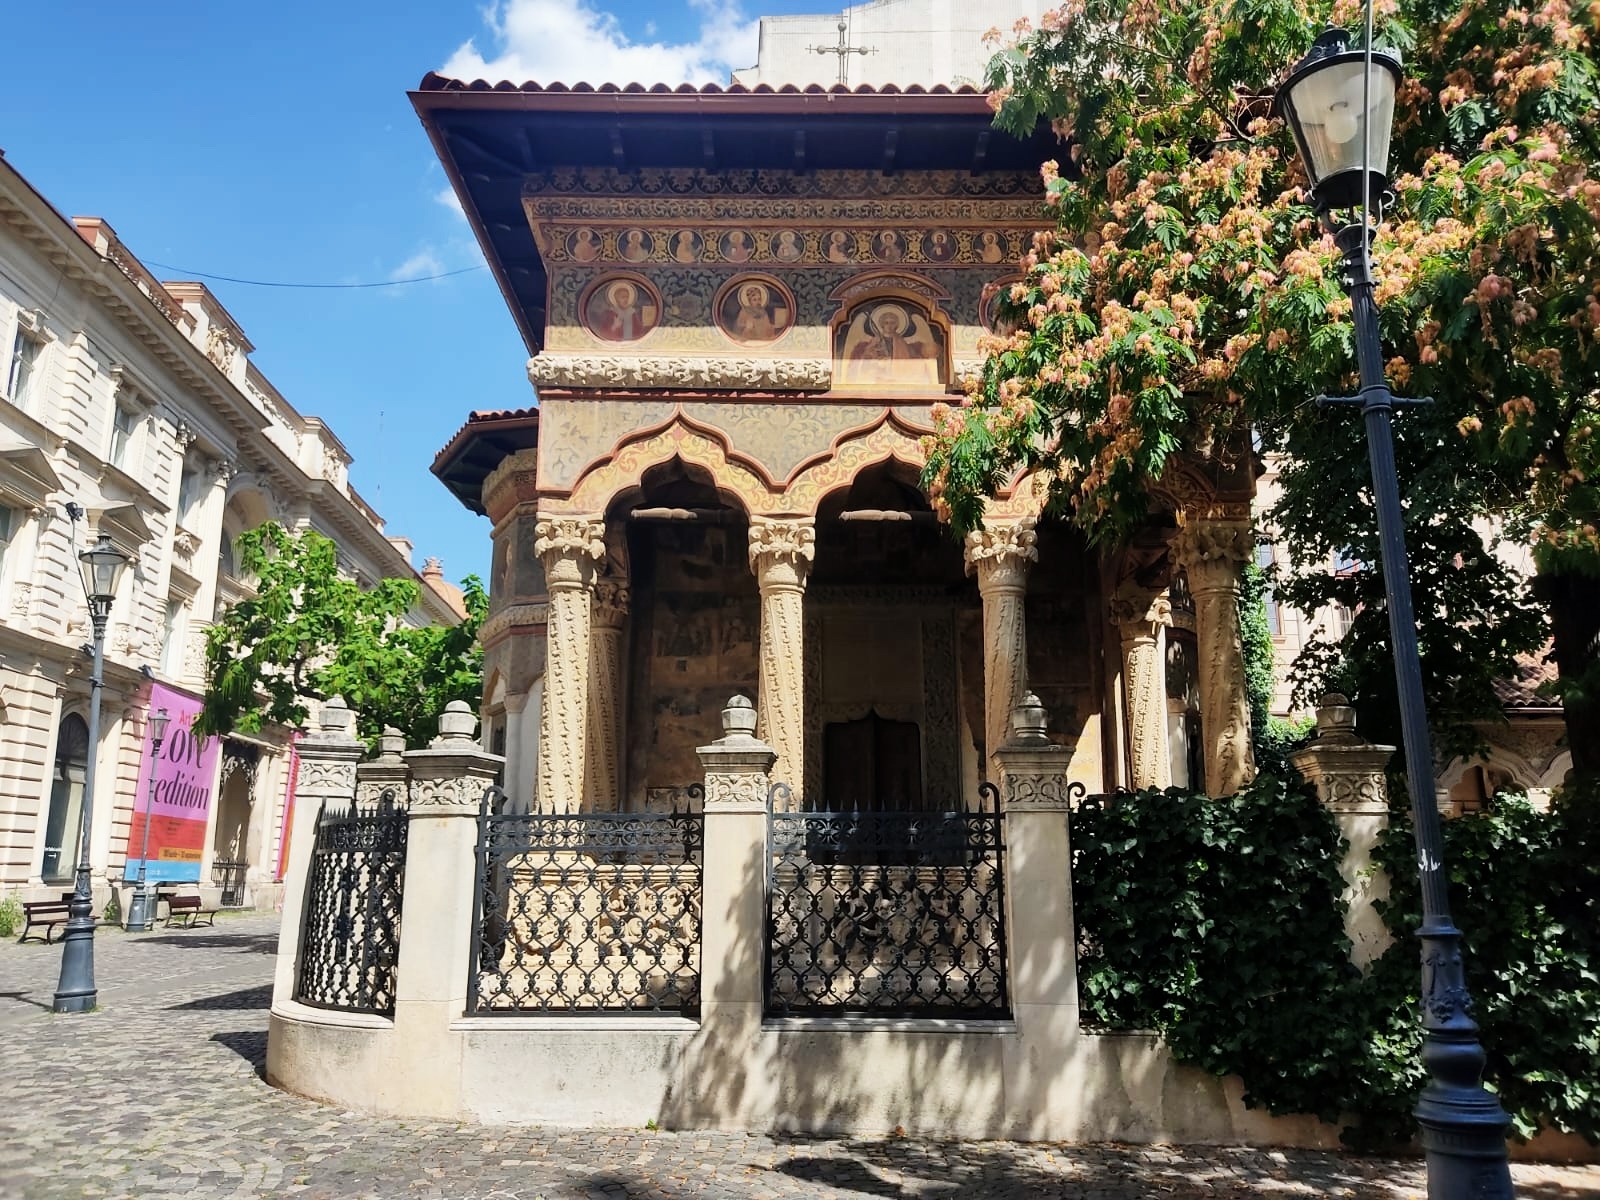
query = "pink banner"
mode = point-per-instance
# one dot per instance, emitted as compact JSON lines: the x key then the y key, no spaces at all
{"x":176,"y":809}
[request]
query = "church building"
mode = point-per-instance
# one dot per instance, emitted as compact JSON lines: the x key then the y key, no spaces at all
{"x":743,"y":307}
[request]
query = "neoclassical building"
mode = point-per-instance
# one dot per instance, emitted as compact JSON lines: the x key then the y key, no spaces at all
{"x":137,"y":400}
{"x":742,"y":307}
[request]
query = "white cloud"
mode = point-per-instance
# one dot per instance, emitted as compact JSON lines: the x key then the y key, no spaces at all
{"x":423,"y":262}
{"x":447,"y":197}
{"x":571,"y":41}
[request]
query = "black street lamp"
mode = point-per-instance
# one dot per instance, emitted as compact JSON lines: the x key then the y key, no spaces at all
{"x":102,"y":565}
{"x":1339,"y":104}
{"x":139,"y":913}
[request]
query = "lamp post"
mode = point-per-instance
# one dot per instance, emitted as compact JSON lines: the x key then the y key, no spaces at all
{"x":139,"y":913}
{"x":102,"y":565}
{"x":1339,"y":104}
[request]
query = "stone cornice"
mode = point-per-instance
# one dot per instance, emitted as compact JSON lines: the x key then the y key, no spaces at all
{"x":687,"y":372}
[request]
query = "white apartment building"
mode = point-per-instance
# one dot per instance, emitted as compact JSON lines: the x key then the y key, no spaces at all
{"x":899,"y":42}
{"x":137,"y":401}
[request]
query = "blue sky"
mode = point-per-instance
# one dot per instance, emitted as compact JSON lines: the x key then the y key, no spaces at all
{"x":275,"y":142}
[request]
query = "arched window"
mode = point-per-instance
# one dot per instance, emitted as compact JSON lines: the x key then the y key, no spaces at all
{"x":66,"y":799}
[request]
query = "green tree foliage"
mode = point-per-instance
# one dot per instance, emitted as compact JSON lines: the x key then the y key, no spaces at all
{"x":311,"y":633}
{"x":1219,"y":924}
{"x":1188,"y":296}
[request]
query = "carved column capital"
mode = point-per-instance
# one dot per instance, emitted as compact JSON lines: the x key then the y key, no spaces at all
{"x":569,"y":548}
{"x":1140,"y":611}
{"x":1211,"y":550}
{"x":1000,"y":553}
{"x":781,"y":551}
{"x":611,"y":600}
{"x":183,"y":435}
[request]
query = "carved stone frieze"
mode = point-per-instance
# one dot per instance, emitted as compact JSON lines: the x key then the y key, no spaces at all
{"x":1042,"y":793}
{"x":325,"y":779}
{"x":740,"y":791}
{"x":457,"y":793}
{"x":680,"y":371}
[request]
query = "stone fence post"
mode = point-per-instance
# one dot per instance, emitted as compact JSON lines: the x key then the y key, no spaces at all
{"x":326,"y":774}
{"x":1348,"y":773}
{"x":386,"y":773}
{"x":448,"y":780}
{"x":1035,"y":800}
{"x":733,"y":914}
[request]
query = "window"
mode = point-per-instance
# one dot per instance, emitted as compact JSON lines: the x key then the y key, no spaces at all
{"x":24,"y":368}
{"x":172,"y":631}
{"x":10,"y":524}
{"x":227,"y":558}
{"x":124,"y":425}
{"x":189,"y":493}
{"x":1264,"y":560}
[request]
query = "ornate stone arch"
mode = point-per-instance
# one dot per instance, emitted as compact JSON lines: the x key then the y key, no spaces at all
{"x":681,"y":437}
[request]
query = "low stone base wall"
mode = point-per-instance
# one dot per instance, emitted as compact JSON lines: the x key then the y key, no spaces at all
{"x":1017,"y":1079}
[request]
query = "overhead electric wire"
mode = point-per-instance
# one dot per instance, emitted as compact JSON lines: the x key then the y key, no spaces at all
{"x":277,"y":284}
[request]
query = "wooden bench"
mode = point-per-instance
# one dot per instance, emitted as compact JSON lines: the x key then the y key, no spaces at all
{"x":187,"y":911}
{"x":47,"y":914}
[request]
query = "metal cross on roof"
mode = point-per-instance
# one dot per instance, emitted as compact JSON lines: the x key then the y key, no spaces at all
{"x":844,"y":50}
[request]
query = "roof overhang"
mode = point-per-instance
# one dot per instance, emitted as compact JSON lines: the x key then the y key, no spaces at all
{"x":490,"y":138}
{"x":480,"y":446}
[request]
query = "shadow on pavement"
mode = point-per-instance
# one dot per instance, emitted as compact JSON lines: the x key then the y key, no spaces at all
{"x":846,"y":1173}
{"x":25,"y":998}
{"x":241,"y":943}
{"x":248,"y":1044}
{"x":255,"y":997}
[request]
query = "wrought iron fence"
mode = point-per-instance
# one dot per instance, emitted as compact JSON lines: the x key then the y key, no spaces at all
{"x":586,"y":913}
{"x":229,"y":876}
{"x":887,"y":912}
{"x":350,"y":939}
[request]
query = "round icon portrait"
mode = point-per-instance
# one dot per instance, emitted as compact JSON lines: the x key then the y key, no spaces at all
{"x":787,"y":246}
{"x":840,"y":247}
{"x":888,"y":246}
{"x":938,"y":246}
{"x":737,"y":246}
{"x":685,"y":246}
{"x":621,"y":310}
{"x":583,"y":245}
{"x":754,"y":310}
{"x":635,"y":245}
{"x":991,"y":247}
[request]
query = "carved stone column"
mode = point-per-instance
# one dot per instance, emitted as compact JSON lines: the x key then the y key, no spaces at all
{"x":1000,"y":554}
{"x":1140,"y":613}
{"x":780,"y":555}
{"x":1211,"y":550}
{"x":1349,"y":775}
{"x":606,"y":702}
{"x":568,"y":547}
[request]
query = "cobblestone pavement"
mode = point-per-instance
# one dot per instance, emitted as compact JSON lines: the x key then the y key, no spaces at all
{"x":159,"y":1095}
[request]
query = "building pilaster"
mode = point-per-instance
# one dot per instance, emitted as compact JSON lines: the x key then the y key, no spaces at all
{"x":1211,"y":550}
{"x":1000,"y":554}
{"x":780,"y":555}
{"x":569,"y":548}
{"x":1139,"y":614}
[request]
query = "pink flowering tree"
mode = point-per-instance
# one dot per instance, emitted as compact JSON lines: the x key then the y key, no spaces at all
{"x":1187,"y":299}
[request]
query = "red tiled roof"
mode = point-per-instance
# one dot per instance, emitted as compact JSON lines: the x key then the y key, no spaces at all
{"x":434,"y":82}
{"x":1527,"y":688}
